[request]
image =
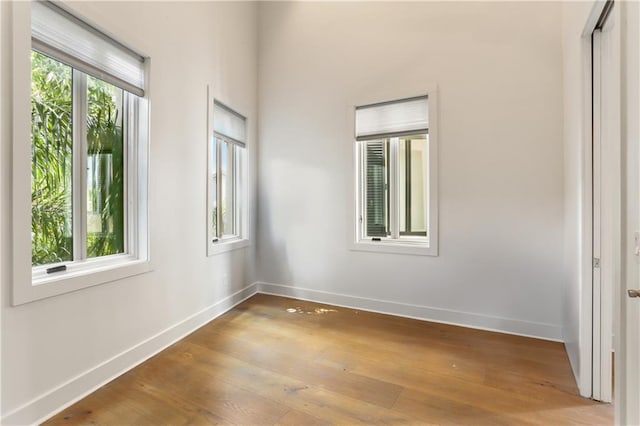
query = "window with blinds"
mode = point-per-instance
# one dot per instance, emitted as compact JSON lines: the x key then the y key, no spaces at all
{"x":226,"y":183}
{"x":394,"y":183}
{"x":393,"y":118}
{"x":87,"y":146}
{"x":64,"y":37}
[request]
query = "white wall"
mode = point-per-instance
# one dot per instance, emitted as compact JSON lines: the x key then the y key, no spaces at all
{"x":55,"y":347}
{"x":498,"y":67}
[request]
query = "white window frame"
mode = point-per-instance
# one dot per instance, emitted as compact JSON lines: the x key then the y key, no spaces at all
{"x":396,"y":244}
{"x":33,"y":283}
{"x":217,"y":244}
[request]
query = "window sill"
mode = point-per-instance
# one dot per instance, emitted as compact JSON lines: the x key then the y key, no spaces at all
{"x":222,"y":246}
{"x":79,"y":277}
{"x":395,"y":247}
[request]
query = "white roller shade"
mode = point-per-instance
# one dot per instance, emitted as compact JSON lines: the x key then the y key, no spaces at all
{"x":57,"y":33}
{"x":395,"y":118}
{"x":228,"y":123}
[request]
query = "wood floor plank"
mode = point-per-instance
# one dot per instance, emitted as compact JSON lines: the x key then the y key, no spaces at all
{"x":302,"y":396}
{"x":439,"y":409}
{"x":295,"y":363}
{"x":130,"y":401}
{"x":207,"y":391}
{"x":281,"y":361}
{"x":296,"y":418}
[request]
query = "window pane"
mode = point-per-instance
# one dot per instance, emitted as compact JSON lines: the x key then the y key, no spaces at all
{"x":412,"y":159}
{"x":105,"y":169}
{"x":376,"y":188}
{"x":52,"y":158}
{"x":227,"y":162}
{"x":214,"y":186}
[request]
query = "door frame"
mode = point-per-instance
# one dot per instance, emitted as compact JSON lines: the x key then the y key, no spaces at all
{"x":596,"y":300}
{"x":625,"y":316}
{"x":606,"y":213}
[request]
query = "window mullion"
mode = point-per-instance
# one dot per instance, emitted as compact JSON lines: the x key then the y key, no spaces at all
{"x":79,"y":195}
{"x":407,"y":179}
{"x":219,"y":187}
{"x":394,"y":193}
{"x":362,"y":185}
{"x":236,"y":204}
{"x":83,"y":163}
{"x":232,"y":178}
{"x":130,"y":180}
{"x":427,"y":162}
{"x":237,"y":189}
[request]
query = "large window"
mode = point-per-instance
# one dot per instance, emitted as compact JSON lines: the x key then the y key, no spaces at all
{"x":88,"y":155}
{"x":226,"y":184}
{"x":78,"y":171}
{"x":395,"y":177}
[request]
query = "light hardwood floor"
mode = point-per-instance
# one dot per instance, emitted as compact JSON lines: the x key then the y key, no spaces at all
{"x":273,"y":360}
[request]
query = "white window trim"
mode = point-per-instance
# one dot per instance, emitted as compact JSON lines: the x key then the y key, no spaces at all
{"x":28,"y":286}
{"x":403,"y":245}
{"x":223,"y":245}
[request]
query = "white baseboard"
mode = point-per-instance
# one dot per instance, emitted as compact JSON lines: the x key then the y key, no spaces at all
{"x":57,"y":399}
{"x":425,"y":313}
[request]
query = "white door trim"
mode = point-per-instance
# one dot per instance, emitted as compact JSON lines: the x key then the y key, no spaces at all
{"x":596,"y":96}
{"x":606,"y":198}
{"x":584,"y":371}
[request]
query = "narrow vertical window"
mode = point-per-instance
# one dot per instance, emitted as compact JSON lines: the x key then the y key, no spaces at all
{"x":395,"y":178}
{"x":227,"y":186}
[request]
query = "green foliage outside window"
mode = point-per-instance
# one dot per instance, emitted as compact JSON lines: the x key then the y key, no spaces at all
{"x":52,"y":164}
{"x":105,"y":149}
